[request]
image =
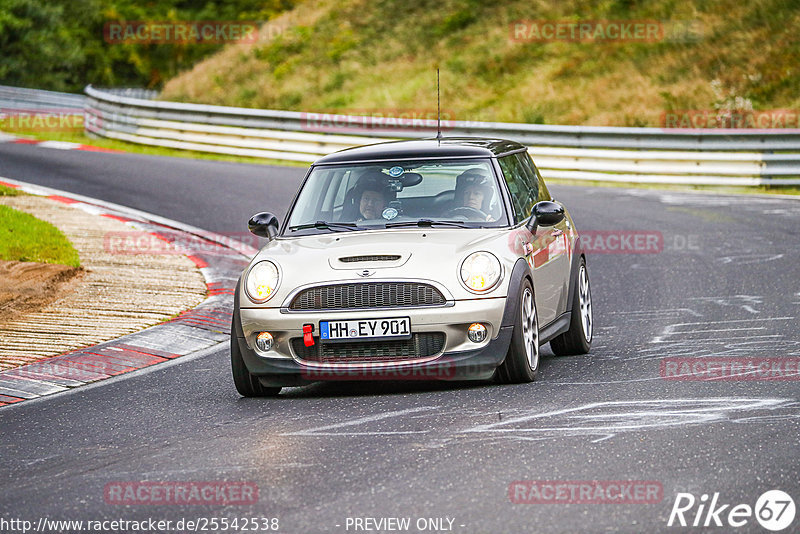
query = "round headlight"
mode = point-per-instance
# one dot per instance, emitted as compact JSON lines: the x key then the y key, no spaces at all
{"x":262,"y":281}
{"x":480,"y":271}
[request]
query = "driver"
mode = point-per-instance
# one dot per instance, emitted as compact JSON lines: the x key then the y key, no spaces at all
{"x":473,"y":192}
{"x":373,"y":196}
{"x":372,"y":204}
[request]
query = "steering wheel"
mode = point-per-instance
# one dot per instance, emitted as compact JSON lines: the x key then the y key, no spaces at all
{"x":468,"y":213}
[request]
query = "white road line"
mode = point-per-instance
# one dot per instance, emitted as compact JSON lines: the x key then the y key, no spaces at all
{"x":665,"y":311}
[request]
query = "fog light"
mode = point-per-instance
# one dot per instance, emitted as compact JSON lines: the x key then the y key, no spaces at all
{"x":476,"y":332}
{"x":264,"y":341}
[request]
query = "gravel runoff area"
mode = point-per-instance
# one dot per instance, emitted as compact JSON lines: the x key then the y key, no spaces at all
{"x":119,"y":293}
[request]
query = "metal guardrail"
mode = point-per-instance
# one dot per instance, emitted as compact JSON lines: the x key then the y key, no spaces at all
{"x":644,"y":155}
{"x":18,"y":98}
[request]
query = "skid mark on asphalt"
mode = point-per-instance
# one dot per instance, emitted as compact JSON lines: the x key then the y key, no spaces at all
{"x":702,"y":328}
{"x":747,"y":259}
{"x":335,"y":428}
{"x":650,"y":315}
{"x":753,"y":337}
{"x":603,"y":420}
{"x":597,"y":421}
{"x":692,"y":331}
{"x":745,"y":302}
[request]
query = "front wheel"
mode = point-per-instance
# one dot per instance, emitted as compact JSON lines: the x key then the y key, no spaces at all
{"x":578,"y":339}
{"x":246,"y":383}
{"x":522,"y":360}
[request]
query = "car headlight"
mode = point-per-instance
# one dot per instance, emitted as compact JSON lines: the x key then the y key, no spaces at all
{"x":480,"y":272}
{"x":262,"y":281}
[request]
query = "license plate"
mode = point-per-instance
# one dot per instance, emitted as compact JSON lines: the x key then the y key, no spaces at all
{"x":365,"y":329}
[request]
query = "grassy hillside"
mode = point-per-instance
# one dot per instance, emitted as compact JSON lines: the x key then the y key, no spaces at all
{"x":356,"y":55}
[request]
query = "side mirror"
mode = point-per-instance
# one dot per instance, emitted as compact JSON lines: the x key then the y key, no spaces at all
{"x":263,"y":224}
{"x":545,"y":213}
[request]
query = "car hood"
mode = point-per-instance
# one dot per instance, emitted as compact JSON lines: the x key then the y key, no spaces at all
{"x":428,"y":254}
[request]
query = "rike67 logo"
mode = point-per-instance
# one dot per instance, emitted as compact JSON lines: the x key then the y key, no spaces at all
{"x":774,"y":510}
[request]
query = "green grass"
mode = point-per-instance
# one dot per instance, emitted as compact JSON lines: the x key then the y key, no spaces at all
{"x":23,"y":237}
{"x":9,"y":191}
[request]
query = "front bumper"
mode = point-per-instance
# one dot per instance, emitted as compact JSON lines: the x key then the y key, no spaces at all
{"x":459,"y":358}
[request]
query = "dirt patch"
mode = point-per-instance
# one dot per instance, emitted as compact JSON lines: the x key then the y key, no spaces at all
{"x":27,"y":286}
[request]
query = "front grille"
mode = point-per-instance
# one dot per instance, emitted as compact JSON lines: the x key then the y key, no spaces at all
{"x":421,"y":345}
{"x":368,"y":295}
{"x":374,"y":257}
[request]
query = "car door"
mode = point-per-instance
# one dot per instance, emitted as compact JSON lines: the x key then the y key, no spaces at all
{"x":546,"y":255}
{"x":559,"y":249}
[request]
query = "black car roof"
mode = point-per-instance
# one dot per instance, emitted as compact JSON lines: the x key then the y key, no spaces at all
{"x":446,"y":147}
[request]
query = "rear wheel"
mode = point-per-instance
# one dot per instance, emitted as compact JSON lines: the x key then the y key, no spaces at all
{"x":246,"y":383}
{"x":578,"y":339}
{"x":522,"y":361}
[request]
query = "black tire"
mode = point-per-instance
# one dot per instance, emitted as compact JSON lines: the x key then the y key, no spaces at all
{"x":576,"y":340}
{"x":247,"y":384}
{"x":520,"y":366}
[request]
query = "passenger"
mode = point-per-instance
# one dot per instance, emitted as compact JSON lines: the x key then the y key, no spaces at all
{"x":473,"y":196}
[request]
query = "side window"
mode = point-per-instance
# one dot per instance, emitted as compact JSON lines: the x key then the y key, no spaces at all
{"x":338,"y":201}
{"x":521,"y":185}
{"x":333,"y":193}
{"x":531,"y":175}
{"x":544,"y":194}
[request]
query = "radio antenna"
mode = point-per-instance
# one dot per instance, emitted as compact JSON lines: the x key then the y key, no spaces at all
{"x":438,"y":109}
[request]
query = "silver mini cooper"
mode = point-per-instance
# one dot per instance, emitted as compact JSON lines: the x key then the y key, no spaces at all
{"x":441,"y":259}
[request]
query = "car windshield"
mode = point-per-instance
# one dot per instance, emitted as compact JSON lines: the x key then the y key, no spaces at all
{"x":397,"y":194}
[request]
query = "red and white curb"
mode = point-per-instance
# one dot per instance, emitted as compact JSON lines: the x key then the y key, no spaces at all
{"x":58,"y":145}
{"x":220,"y":260}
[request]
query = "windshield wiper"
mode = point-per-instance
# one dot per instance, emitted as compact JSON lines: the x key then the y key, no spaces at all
{"x":323,"y":225}
{"x":427,"y":223}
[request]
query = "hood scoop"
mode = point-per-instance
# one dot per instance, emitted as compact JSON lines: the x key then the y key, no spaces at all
{"x":368,"y":261}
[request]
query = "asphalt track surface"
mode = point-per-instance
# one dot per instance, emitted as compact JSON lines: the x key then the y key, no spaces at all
{"x":724,"y":285}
